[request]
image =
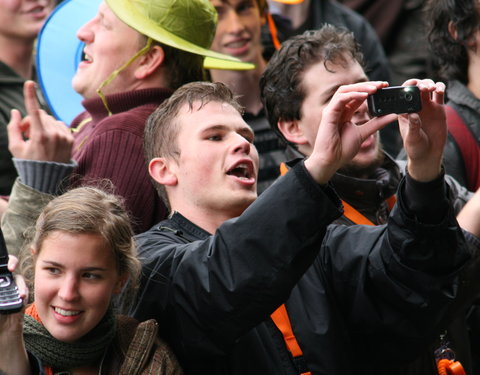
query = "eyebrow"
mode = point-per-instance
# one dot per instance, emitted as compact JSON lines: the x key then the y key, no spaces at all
{"x":59,"y":265}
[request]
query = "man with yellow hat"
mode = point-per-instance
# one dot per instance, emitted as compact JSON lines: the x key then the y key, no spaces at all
{"x":136,"y":53}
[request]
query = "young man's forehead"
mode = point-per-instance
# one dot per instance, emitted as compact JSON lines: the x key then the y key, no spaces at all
{"x":212,"y":112}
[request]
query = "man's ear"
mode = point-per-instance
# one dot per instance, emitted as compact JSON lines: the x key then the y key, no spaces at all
{"x":149,"y":62}
{"x":292,"y":131}
{"x":452,"y":30}
{"x":161,"y":170}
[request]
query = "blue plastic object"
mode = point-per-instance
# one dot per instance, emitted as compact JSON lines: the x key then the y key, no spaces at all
{"x":59,"y":52}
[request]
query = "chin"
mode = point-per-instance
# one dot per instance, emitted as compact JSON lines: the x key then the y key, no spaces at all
{"x":242,"y":203}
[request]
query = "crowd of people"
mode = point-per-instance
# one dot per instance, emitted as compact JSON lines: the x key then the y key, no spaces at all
{"x":227,"y":204}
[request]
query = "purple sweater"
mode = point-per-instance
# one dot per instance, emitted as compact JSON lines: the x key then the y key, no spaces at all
{"x":111,"y":147}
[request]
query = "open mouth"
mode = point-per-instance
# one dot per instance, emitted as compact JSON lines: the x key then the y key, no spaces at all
{"x":243,"y":171}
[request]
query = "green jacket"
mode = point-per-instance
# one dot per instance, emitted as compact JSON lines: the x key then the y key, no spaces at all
{"x":24,"y":208}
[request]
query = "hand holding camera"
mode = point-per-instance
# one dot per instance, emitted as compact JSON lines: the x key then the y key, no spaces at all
{"x":10,"y":299}
{"x":424,"y":133}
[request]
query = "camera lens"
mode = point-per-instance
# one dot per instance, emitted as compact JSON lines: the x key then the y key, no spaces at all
{"x":408,"y":97}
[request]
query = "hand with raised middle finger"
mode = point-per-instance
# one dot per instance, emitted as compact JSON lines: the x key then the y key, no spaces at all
{"x":38,"y":136}
{"x":338,"y":138}
{"x":424,"y":134}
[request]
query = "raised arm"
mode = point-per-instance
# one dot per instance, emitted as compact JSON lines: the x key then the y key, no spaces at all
{"x":13,"y":358}
{"x":41,"y":147}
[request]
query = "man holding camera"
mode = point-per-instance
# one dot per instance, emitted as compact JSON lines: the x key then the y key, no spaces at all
{"x":321,"y":62}
{"x":219,"y":269}
{"x":330,"y":58}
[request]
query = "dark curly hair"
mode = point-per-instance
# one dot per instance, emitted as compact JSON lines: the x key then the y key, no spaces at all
{"x":281,"y":83}
{"x":450,"y":55}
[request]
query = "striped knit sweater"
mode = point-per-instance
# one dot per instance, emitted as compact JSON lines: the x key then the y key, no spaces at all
{"x":111,"y":147}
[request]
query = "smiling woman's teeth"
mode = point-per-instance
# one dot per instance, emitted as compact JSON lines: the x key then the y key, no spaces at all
{"x":60,"y":311}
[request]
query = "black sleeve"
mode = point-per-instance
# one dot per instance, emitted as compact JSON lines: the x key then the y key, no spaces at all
{"x":213,"y":290}
{"x":397,"y":283}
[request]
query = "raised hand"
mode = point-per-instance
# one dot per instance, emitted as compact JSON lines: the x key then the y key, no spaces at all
{"x":424,"y":133}
{"x":14,"y":359}
{"x":338,"y":138}
{"x":38,"y":136}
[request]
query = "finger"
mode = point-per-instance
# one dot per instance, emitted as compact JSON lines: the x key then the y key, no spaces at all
{"x":49,"y":121}
{"x":426,"y":90}
{"x":347,"y":100}
{"x":439,"y":93}
{"x":411,"y":82}
{"x":426,"y":83}
{"x":14,"y":131}
{"x":12,"y":263}
{"x":369,"y":87}
{"x":365,"y":87}
{"x":25,"y":127}
{"x":32,"y":106}
{"x":375,"y":124}
{"x":414,"y":123}
{"x":22,"y":287}
{"x":351,"y":108}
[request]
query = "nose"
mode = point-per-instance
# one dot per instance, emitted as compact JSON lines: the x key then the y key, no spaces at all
{"x":242,"y":145}
{"x":85,"y":33}
{"x":69,"y":290}
{"x":361,"y":115}
{"x":235,"y":22}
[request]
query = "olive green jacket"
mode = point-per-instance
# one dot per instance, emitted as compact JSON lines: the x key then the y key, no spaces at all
{"x":23,"y":210}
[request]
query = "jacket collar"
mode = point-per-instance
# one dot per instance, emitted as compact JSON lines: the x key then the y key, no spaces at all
{"x":460,"y":94}
{"x":369,"y":192}
{"x":364,"y":193}
{"x":184,"y":227}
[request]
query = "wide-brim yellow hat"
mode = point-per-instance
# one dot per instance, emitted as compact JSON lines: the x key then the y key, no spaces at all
{"x":188,"y":25}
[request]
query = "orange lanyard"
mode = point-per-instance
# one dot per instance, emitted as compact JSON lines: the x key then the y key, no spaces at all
{"x":282,"y":321}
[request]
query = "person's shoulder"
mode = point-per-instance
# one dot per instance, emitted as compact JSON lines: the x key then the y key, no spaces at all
{"x":160,"y":235}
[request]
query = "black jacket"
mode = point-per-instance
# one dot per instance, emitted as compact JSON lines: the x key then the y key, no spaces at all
{"x":356,"y":296}
{"x":468,"y":107}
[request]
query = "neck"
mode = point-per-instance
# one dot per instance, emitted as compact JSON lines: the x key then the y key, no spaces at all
{"x":18,"y":55}
{"x":207,"y":219}
{"x":297,"y":13}
{"x":210,"y":222}
{"x":245,"y":84}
